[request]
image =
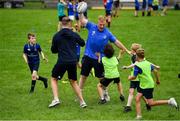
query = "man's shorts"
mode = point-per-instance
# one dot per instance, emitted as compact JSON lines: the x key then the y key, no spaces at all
{"x":59,"y":70}
{"x":105,"y":82}
{"x":147,"y":93}
{"x":61,"y":17}
{"x":33,"y":66}
{"x":88,"y":63}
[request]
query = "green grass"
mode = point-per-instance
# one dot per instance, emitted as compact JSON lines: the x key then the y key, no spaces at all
{"x":158,"y":35}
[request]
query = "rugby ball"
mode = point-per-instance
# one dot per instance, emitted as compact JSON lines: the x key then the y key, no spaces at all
{"x":82,"y":7}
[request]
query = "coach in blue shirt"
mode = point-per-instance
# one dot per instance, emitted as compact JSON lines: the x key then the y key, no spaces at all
{"x":98,"y":37}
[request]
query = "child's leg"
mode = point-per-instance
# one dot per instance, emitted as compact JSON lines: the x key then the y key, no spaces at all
{"x":130,"y":97}
{"x":100,"y":90}
{"x":120,"y":88}
{"x":138,"y":105}
{"x":33,"y":84}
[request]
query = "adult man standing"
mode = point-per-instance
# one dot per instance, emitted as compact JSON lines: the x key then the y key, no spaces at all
{"x":98,"y":37}
{"x":64,"y":43}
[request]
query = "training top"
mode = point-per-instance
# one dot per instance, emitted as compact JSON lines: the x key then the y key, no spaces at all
{"x":97,"y":40}
{"x":64,"y":43}
{"x":32,"y":52}
{"x":110,"y":67}
{"x":60,"y":7}
{"x":109,"y":4}
{"x":70,"y":9}
{"x":143,"y":71}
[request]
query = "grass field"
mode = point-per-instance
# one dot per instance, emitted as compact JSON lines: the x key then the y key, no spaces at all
{"x":160,"y":36}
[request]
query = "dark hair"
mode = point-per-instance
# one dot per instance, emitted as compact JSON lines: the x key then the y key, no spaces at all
{"x":30,"y":35}
{"x":108,"y":50}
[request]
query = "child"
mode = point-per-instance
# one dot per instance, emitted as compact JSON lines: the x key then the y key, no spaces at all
{"x":110,"y":63}
{"x":31,"y":57}
{"x":143,"y":70}
{"x":60,"y":6}
{"x":165,"y":7}
{"x":156,"y":7}
{"x":136,"y":8}
{"x":134,"y":84}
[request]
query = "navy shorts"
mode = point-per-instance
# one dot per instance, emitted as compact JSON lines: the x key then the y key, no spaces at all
{"x":108,"y":12}
{"x":147,"y":93}
{"x":135,"y":85}
{"x":88,"y":63}
{"x":77,"y":18}
{"x":59,"y":70}
{"x":33,"y":66}
{"x":105,"y":82}
{"x":155,"y":7}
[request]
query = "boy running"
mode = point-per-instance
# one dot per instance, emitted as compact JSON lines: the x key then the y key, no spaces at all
{"x":143,"y":70}
{"x":31,"y":57}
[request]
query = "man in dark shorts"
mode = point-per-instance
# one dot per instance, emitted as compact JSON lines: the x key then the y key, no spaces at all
{"x":64,"y":43}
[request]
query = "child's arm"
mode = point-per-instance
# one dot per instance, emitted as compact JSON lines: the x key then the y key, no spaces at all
{"x":121,"y":52}
{"x":156,"y":76}
{"x":130,"y":66}
{"x":43,"y":57}
{"x":156,"y":66}
{"x":98,"y":54}
{"x":131,"y":78}
{"x":25,"y":57}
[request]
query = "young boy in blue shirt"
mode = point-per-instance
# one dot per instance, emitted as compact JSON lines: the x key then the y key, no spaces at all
{"x":31,"y":57}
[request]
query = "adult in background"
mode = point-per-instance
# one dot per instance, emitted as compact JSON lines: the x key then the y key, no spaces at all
{"x":64,"y":43}
{"x":60,"y":6}
{"x":116,"y":4}
{"x":98,"y":37}
{"x":165,"y":7}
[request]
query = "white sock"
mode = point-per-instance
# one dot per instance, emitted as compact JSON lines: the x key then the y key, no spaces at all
{"x":130,"y":98}
{"x":56,"y":98}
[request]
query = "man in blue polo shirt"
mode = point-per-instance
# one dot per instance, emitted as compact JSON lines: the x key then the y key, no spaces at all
{"x":98,"y":37}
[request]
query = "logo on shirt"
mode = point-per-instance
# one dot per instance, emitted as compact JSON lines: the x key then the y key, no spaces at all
{"x":93,"y":33}
{"x":104,"y":37}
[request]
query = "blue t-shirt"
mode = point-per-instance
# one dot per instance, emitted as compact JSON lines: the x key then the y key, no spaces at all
{"x":137,"y":70}
{"x":70,"y":9}
{"x":32,"y":52}
{"x":76,"y":12}
{"x":136,"y":3}
{"x":97,"y":40}
{"x":60,"y":7}
{"x":165,"y":2}
{"x":109,"y":4}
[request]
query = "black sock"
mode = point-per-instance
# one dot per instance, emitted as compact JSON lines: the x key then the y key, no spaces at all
{"x":149,"y":13}
{"x":109,"y":24}
{"x":42,"y":78}
{"x":33,"y":84}
{"x":143,"y":13}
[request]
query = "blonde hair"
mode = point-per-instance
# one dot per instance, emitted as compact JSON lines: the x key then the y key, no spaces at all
{"x":101,"y":18}
{"x":135,"y":46}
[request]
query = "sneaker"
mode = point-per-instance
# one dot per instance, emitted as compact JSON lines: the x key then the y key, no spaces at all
{"x":122,"y":98}
{"x":45,"y":83}
{"x":138,"y":117}
{"x":148,"y":107}
{"x":102,"y":101}
{"x":106,"y":95}
{"x":127,"y":109}
{"x":173,"y":103}
{"x":83,"y":105}
{"x":54,"y":103}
